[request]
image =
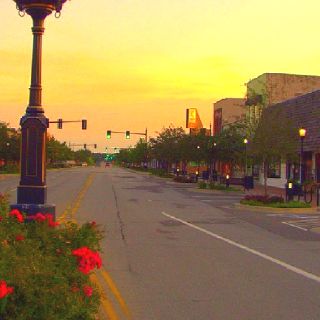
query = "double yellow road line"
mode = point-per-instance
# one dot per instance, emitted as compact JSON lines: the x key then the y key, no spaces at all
{"x":101,"y":278}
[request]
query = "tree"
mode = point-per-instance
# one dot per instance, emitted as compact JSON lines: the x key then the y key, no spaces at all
{"x":229,"y":143}
{"x":166,"y":146}
{"x":275,"y":139}
{"x":9,"y":144}
{"x":57,"y":151}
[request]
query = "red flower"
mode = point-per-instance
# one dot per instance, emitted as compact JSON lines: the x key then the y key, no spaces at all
{"x":52,"y":223}
{"x":1,"y":218}
{"x":16,"y":213}
{"x":40,"y":217}
{"x":19,"y":237}
{"x":87,"y":259}
{"x":4,"y":289}
{"x":87,"y":291}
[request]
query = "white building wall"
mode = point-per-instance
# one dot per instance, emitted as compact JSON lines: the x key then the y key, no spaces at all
{"x":276,"y":182}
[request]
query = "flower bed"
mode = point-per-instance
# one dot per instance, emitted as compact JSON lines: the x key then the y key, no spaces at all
{"x":272,"y":201}
{"x":44,"y":267}
{"x":214,"y":186}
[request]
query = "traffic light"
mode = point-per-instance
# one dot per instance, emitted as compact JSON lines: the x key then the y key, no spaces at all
{"x":95,"y":146}
{"x":109,"y":134}
{"x":84,"y":124}
{"x":85,"y":146}
{"x":127,"y":134}
{"x":59,"y":123}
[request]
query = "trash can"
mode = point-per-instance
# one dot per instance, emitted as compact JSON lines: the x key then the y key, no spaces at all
{"x":248,"y":182}
{"x":205,"y":175}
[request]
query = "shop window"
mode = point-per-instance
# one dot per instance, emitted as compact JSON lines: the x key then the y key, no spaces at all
{"x":274,"y":170}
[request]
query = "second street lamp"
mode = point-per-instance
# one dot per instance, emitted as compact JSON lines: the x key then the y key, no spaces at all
{"x":302,"y":134}
{"x":245,"y":141}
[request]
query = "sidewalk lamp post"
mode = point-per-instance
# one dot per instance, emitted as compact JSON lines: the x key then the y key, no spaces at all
{"x":7,"y":152}
{"x":245,"y":141}
{"x":32,"y":189}
{"x":198,"y":169}
{"x":302,"y":134}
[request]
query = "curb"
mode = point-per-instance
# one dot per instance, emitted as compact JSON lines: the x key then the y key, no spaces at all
{"x":276,"y":210}
{"x":217,"y":191}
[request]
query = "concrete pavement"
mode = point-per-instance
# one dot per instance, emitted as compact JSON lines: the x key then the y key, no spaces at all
{"x":177,"y":253}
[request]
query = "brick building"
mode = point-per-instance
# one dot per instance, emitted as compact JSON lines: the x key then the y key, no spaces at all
{"x":302,"y":112}
{"x":271,"y":88}
{"x":227,"y":110}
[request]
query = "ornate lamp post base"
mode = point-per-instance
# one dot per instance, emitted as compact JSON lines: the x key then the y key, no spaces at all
{"x":32,"y":209}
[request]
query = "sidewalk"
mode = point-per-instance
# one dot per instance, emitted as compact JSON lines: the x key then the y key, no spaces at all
{"x":272,"y":191}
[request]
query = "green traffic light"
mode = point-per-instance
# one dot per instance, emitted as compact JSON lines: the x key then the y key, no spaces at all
{"x":109,"y":134}
{"x":127,"y":134}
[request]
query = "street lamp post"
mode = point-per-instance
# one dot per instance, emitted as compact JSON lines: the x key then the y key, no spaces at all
{"x":7,"y":156}
{"x":198,"y":169}
{"x":32,"y":189}
{"x":302,"y":134}
{"x":245,"y":141}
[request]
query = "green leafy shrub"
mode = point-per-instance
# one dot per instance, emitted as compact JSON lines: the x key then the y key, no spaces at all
{"x":202,"y":185}
{"x":160,"y":173}
{"x":222,"y":187}
{"x":264,"y":199}
{"x":183,"y":179}
{"x":211,"y":185}
{"x":290,"y":204}
{"x":10,"y":168}
{"x":47,"y":266}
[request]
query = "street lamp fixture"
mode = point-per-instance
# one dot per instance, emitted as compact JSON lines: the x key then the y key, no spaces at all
{"x":302,"y":134}
{"x":32,"y":189}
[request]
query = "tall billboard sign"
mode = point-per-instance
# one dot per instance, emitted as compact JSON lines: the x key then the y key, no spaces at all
{"x":192,"y":118}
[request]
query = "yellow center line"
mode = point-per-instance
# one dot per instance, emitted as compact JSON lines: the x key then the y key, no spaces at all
{"x":69,"y":215}
{"x":107,"y":305}
{"x":116,"y":293}
{"x":70,"y":212}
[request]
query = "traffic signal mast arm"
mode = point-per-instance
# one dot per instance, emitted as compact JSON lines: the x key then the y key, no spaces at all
{"x":85,"y":145}
{"x":130,"y":133}
{"x":60,"y":122}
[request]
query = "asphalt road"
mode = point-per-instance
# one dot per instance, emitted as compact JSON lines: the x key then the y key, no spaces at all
{"x":175,"y":253}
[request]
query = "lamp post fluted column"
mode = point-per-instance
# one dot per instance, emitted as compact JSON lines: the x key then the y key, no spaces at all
{"x":302,"y":134}
{"x":32,"y":189}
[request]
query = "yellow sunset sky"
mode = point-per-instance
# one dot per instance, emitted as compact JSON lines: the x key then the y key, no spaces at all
{"x":132,"y":64}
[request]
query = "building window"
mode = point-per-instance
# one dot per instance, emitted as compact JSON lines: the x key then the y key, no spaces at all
{"x":274,"y":170}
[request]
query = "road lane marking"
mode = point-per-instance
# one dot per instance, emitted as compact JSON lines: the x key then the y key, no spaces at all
{"x":106,"y":303}
{"x":285,"y":265}
{"x":294,"y":226}
{"x":69,"y":215}
{"x":116,"y":293}
{"x":70,"y":211}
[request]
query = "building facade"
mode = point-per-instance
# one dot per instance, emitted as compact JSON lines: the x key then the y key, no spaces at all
{"x":302,"y":112}
{"x":272,"y":88}
{"x":226,"y":111}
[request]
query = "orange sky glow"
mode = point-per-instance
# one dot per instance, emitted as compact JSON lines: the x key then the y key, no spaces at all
{"x":131,"y":64}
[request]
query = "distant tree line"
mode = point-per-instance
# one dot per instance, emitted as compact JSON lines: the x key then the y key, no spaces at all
{"x":58,"y":153}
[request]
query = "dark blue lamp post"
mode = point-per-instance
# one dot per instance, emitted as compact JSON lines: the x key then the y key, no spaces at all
{"x":32,"y":189}
{"x":245,"y":141}
{"x":302,"y":134}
